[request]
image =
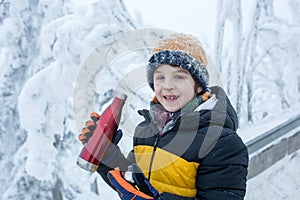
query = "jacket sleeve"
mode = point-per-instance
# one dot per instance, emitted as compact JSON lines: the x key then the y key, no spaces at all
{"x":114,"y":158}
{"x":222,"y":173}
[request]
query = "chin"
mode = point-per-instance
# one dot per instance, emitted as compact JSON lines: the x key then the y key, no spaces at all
{"x":172,"y":109}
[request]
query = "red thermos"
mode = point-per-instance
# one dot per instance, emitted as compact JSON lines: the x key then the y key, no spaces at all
{"x":94,"y":150}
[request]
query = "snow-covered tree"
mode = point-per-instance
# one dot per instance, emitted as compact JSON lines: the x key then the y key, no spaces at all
{"x":257,"y":53}
{"x":43,"y":44}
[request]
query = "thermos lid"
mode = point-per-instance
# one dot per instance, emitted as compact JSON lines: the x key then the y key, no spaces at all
{"x":120,"y":95}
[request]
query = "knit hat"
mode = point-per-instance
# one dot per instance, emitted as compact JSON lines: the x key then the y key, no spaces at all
{"x":180,"y":50}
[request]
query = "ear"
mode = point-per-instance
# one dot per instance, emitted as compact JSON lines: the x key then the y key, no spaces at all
{"x":198,"y":90}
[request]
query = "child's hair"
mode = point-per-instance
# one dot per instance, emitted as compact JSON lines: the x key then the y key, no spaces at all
{"x":180,"y":50}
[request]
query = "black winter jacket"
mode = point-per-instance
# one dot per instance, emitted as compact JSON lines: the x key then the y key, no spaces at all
{"x":197,"y":155}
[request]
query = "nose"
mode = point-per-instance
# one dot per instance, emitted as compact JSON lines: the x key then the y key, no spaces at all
{"x":168,"y":85}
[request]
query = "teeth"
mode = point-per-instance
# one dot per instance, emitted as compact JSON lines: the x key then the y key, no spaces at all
{"x":171,"y":97}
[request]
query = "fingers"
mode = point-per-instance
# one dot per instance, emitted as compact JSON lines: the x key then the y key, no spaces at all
{"x":144,"y":184}
{"x":82,"y":138}
{"x":124,"y":188}
{"x":95,"y":116}
{"x":85,"y":135}
{"x":91,"y":125}
{"x":89,"y":128}
{"x":117,"y":137}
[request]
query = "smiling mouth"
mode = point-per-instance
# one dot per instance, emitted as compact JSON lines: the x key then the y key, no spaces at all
{"x":171,"y":97}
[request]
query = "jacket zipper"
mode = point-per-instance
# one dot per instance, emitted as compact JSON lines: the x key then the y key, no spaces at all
{"x":153,"y":154}
{"x":159,"y":135}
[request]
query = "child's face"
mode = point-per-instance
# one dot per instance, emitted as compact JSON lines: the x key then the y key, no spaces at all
{"x":174,"y":87}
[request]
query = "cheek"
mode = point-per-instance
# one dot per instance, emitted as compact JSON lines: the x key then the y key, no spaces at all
{"x":188,"y":86}
{"x":157,"y":88}
{"x":188,"y":89}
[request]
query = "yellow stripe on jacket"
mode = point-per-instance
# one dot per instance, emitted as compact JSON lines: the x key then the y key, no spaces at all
{"x":170,"y":173}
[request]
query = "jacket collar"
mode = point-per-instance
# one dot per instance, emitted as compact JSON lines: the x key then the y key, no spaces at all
{"x":161,"y":117}
{"x":221,"y":111}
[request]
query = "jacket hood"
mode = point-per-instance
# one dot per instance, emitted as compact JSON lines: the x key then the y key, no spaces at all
{"x":222,"y":113}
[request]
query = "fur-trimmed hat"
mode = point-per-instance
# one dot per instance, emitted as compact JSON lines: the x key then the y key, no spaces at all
{"x":180,"y":50}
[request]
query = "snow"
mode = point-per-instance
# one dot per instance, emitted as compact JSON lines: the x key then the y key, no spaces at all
{"x":43,"y":45}
{"x":280,"y":181}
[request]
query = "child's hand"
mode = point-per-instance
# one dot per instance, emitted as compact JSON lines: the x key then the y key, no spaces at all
{"x":138,"y":188}
{"x":89,"y":128}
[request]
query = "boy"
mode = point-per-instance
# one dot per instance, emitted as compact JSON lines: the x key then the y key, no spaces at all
{"x":187,"y":146}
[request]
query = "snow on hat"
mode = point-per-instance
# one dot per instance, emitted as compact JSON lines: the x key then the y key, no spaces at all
{"x":180,"y":50}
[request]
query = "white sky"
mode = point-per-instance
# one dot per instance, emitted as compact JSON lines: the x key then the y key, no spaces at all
{"x":196,"y":17}
{"x":188,"y":16}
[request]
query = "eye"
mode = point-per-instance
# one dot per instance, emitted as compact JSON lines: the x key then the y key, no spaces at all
{"x":159,"y":77}
{"x":179,"y":76}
